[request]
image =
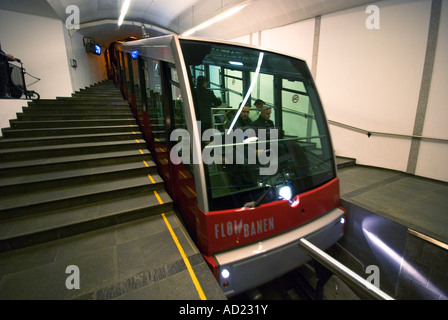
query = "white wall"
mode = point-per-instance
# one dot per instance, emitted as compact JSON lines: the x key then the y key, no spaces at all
{"x":39,"y":43}
{"x":371,"y":79}
{"x":91,"y":68}
{"x":433,"y":157}
{"x":295,"y":39}
{"x":8,"y":110}
{"x":45,"y":48}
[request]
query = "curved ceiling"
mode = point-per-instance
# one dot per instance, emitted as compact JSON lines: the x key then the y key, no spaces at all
{"x":98,"y":18}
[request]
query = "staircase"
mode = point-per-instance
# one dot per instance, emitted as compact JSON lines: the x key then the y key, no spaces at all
{"x":73,"y":165}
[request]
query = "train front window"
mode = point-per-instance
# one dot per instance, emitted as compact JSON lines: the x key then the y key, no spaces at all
{"x":252,"y":151}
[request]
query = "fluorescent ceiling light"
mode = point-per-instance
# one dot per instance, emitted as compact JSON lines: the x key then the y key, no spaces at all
{"x":216,"y":19}
{"x":124,"y":10}
{"x":236,"y":63}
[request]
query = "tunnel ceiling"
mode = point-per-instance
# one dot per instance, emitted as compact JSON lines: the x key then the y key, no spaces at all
{"x":99,"y":17}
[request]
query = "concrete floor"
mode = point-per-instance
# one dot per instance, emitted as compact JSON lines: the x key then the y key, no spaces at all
{"x":415,"y":202}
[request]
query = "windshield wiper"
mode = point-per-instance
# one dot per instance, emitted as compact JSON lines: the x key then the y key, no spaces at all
{"x":281,"y":174}
{"x":256,"y":203}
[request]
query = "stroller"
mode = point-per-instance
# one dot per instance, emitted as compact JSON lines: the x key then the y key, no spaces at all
{"x":17,"y":86}
{"x":16,"y":79}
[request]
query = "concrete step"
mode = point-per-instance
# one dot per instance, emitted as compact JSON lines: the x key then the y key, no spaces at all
{"x":42,"y":201}
{"x":113,"y":92}
{"x":94,"y":97}
{"x":70,"y":116}
{"x":100,"y":92}
{"x":16,"y":168}
{"x":20,"y":124}
{"x":67,"y":139}
{"x":52,"y":225}
{"x":344,"y":162}
{"x":81,"y":101}
{"x":29,"y":153}
{"x":73,"y":165}
{"x":100,"y":87}
{"x":33,"y":181}
{"x":41,"y":132}
{"x":102,"y":111}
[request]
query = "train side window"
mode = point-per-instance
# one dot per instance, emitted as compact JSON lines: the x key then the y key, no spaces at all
{"x":298,"y":112}
{"x":233,"y":82}
{"x":215,"y":80}
{"x":178,"y":108}
{"x":153,"y":84}
{"x":135,"y":81}
{"x":178,"y":111}
{"x":263,"y":90}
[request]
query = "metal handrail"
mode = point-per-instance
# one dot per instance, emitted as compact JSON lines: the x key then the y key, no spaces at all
{"x":428,"y":239}
{"x":348,"y":276}
{"x":371,"y":133}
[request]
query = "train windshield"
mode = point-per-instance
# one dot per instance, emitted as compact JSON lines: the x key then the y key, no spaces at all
{"x":263,"y":131}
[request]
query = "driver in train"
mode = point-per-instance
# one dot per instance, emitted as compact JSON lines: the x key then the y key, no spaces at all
{"x":264,"y":120}
{"x":206,"y":100}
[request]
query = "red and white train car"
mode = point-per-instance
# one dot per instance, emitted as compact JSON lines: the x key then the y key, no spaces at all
{"x":248,"y":181}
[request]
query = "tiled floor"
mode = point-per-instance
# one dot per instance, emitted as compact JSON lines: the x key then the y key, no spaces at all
{"x":136,"y":260}
{"x":415,"y":202}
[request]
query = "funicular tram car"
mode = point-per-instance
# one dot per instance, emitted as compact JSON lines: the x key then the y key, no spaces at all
{"x":246,"y":195}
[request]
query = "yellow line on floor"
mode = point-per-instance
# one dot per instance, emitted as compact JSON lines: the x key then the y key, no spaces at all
{"x":186,"y":261}
{"x":147,"y":165}
{"x":158,"y":197}
{"x":150,"y":178}
{"x":141,"y":151}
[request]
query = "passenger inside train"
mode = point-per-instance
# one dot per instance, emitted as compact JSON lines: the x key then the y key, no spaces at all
{"x":292,"y":138}
{"x":244,"y":121}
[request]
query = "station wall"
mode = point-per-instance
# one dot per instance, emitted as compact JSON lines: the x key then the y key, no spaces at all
{"x":91,"y":68}
{"x":372,"y":79}
{"x":39,"y":43}
{"x":45,"y":48}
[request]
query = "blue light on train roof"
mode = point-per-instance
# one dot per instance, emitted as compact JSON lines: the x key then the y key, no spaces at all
{"x":134,"y":54}
{"x":97,"y":49}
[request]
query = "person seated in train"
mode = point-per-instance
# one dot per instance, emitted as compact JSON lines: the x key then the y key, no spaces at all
{"x":255,"y":112}
{"x":264,"y":120}
{"x":206,"y":100}
{"x":244,"y":121}
{"x":259,"y":104}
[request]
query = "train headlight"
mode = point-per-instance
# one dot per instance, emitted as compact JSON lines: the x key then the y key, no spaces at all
{"x":285,"y":192}
{"x":295,"y":202}
{"x":225,"y":274}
